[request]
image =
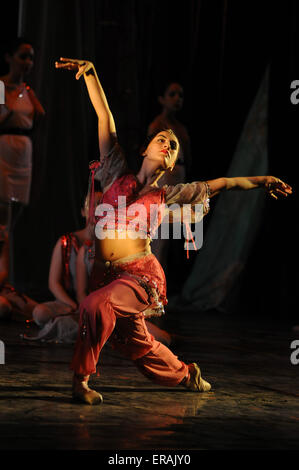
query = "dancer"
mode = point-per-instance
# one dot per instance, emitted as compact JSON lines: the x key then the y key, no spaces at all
{"x":62,"y":273}
{"x":171,"y":100}
{"x":13,"y":304}
{"x":62,"y":278}
{"x":133,"y":284}
{"x":18,"y":116}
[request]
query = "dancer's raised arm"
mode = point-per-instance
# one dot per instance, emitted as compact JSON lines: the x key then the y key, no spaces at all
{"x":113,"y":162}
{"x":106,"y":124}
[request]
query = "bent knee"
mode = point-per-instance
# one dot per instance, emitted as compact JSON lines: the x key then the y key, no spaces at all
{"x":41,"y":314}
{"x":93,"y":302}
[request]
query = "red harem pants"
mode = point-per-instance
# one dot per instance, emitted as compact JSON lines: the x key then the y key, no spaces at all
{"x":115,"y":312}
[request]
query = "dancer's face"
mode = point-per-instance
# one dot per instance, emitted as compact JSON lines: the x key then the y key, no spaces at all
{"x":21,"y":61}
{"x":163,"y":149}
{"x":173,"y":98}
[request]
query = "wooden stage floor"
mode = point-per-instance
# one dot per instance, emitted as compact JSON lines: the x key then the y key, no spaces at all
{"x":253,"y":404}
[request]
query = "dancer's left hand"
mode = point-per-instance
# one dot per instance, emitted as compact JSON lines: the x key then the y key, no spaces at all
{"x":277,"y":188}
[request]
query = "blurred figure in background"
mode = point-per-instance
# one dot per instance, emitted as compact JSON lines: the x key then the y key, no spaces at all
{"x":170,"y":252}
{"x":18,"y":117}
{"x":62,"y":273}
{"x":13,"y":304}
{"x":171,"y":101}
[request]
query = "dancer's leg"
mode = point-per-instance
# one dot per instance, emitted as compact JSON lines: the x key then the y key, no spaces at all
{"x":160,"y":335}
{"x":154,"y":360}
{"x":121,"y":303}
{"x":98,"y":314}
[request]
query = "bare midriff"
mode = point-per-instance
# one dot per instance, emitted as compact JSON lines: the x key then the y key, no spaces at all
{"x":120,"y":245}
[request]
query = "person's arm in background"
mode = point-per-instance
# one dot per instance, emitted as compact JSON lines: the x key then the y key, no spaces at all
{"x":4,"y":260}
{"x":39,"y":111}
{"x":56,"y":285}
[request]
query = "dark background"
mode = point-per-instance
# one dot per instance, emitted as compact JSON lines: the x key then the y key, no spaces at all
{"x":219,"y":51}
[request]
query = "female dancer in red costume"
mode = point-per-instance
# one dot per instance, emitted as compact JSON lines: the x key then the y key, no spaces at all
{"x":62,"y":272}
{"x":132,"y":286}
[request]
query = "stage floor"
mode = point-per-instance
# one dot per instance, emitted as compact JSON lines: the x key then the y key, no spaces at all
{"x":253,"y":403}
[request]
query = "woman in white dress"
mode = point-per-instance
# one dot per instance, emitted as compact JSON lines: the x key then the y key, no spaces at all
{"x":18,"y":114}
{"x":17,"y":117}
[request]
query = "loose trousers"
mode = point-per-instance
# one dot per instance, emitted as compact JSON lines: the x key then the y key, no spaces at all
{"x":114,"y":312}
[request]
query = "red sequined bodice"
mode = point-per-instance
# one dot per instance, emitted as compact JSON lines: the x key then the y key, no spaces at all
{"x":123,"y":203}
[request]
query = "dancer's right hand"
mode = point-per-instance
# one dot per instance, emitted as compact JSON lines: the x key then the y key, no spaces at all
{"x":77,"y":65}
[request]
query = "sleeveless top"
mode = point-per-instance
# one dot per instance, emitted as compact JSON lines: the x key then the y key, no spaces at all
{"x":69,"y":249}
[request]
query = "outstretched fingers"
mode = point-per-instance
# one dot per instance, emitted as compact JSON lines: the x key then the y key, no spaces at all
{"x":76,"y":65}
{"x":73,"y":61}
{"x":69,"y":64}
{"x":279,"y":188}
{"x":66,"y":66}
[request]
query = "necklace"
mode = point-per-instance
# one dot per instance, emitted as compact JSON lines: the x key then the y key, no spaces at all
{"x":21,"y":93}
{"x":15,"y":87}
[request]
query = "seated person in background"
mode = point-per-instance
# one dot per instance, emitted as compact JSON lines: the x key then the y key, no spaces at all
{"x":13,"y":304}
{"x":62,"y":274}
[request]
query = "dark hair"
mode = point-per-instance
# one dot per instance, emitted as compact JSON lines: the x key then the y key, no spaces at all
{"x":163,"y":86}
{"x":13,"y":45}
{"x":10,"y":47}
{"x":150,"y":137}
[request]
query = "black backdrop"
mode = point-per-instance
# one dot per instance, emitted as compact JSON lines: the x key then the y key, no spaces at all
{"x":219,"y":50}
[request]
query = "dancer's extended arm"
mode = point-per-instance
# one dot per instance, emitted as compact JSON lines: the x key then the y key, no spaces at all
{"x":199,"y":192}
{"x":274,"y":185}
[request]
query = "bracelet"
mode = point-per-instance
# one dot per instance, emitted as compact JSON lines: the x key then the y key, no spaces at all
{"x":208,"y":189}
